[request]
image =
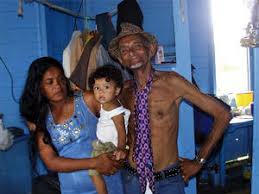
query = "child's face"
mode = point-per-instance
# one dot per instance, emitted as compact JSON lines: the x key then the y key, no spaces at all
{"x":104,"y":91}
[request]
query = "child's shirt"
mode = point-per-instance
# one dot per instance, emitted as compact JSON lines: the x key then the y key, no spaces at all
{"x":106,"y":130}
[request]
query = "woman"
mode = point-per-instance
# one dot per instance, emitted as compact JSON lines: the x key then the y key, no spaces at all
{"x":65,"y":127}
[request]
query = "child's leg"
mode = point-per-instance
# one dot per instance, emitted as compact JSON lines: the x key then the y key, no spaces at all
{"x":99,"y":184}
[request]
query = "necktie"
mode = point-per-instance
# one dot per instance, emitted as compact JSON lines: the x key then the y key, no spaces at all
{"x":143,"y":150}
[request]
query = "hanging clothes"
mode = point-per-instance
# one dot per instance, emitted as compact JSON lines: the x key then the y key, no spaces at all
{"x":79,"y":75}
{"x":105,"y":28}
{"x":93,"y":52}
{"x":72,"y":53}
{"x":92,"y":65}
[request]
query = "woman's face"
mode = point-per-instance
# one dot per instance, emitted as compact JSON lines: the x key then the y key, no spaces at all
{"x":53,"y":85}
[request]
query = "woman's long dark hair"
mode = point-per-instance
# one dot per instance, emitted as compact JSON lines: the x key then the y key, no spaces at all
{"x":34,"y":105}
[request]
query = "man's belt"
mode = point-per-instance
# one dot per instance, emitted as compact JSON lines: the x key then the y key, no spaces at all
{"x":174,"y":171}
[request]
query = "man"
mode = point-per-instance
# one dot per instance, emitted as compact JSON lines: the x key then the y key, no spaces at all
{"x":154,"y":98}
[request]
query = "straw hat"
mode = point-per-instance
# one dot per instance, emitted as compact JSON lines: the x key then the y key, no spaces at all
{"x":126,"y":30}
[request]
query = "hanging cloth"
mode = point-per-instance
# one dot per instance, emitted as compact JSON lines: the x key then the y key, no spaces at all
{"x":79,"y":75}
{"x":92,"y":63}
{"x":105,"y":28}
{"x":72,"y":53}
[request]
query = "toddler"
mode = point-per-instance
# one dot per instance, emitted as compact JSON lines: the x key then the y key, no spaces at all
{"x":107,"y":83}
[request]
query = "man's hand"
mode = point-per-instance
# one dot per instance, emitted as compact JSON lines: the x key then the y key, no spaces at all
{"x":106,"y":164}
{"x":189,"y":168}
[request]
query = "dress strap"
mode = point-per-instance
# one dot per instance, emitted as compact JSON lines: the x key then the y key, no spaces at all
{"x":78,"y":93}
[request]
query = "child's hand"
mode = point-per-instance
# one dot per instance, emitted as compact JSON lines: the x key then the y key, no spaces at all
{"x":120,"y":154}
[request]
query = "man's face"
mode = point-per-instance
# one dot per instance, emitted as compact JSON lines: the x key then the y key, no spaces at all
{"x":134,"y":52}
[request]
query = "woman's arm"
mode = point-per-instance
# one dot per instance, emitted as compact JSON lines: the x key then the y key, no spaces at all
{"x":103,"y":163}
{"x":91,"y":102}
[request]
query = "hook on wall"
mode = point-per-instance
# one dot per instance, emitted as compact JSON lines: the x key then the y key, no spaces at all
{"x":20,"y":8}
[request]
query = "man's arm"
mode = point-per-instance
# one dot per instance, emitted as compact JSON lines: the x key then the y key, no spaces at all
{"x":214,"y":108}
{"x":221,"y":117}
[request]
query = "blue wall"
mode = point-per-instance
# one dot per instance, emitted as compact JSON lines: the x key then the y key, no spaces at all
{"x":20,"y":43}
{"x":40,"y":32}
{"x":59,"y":27}
{"x":202,"y":44}
{"x":158,"y":18}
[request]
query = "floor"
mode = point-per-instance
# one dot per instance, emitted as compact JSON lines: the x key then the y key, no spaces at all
{"x":237,"y":182}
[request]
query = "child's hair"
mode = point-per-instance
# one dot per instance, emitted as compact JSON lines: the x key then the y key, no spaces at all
{"x":109,"y":72}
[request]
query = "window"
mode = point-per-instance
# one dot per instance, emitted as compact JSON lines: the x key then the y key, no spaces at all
{"x":231,"y":60}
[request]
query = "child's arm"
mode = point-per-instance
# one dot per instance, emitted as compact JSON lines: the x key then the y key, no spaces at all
{"x":120,"y":126}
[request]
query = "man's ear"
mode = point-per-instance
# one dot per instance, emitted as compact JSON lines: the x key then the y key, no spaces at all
{"x":153,"y":49}
{"x":119,"y":59}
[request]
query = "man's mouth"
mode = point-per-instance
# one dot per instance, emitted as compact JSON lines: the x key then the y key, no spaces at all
{"x":136,"y":65}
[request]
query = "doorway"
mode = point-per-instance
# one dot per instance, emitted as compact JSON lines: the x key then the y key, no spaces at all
{"x":229,"y":18}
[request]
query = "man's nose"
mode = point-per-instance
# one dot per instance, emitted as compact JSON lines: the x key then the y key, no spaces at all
{"x":131,"y":51}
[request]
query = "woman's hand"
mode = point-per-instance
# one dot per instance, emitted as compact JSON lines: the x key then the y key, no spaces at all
{"x":120,"y":154}
{"x":106,"y":164}
{"x":189,"y":168}
{"x":31,"y":126}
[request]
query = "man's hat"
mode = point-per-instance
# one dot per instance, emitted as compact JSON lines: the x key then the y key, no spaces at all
{"x":126,"y":30}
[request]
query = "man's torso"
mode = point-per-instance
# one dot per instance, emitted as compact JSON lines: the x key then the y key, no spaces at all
{"x":163,"y":105}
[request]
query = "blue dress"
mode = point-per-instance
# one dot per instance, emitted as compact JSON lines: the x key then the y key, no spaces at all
{"x":73,"y":139}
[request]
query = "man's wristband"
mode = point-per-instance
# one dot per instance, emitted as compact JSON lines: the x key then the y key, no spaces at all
{"x":127,"y":147}
{"x":200,"y":160}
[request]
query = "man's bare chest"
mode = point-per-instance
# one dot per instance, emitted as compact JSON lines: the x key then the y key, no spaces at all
{"x":160,"y":103}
